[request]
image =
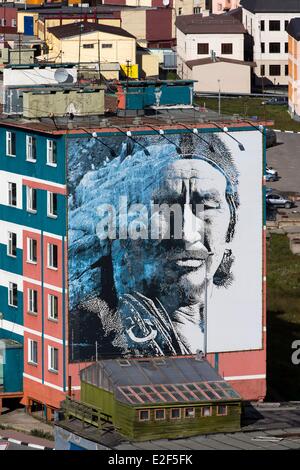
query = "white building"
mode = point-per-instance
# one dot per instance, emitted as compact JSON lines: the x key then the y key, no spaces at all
{"x":266,"y":21}
{"x":211,"y":51}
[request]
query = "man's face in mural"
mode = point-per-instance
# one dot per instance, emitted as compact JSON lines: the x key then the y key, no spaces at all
{"x":175,"y":270}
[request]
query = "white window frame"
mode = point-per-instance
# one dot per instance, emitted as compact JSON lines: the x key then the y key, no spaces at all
{"x":51,"y":359}
{"x":50,"y":204}
{"x":50,"y":257}
{"x":30,"y":149}
{"x":30,"y":243}
{"x":29,"y":199}
{"x":9,"y":145}
{"x":10,"y":244}
{"x":32,"y":306}
{"x":52,"y":305}
{"x":10,"y":190}
{"x":175,"y":417}
{"x":31,"y":359}
{"x":11,"y":288}
{"x":51,"y":153}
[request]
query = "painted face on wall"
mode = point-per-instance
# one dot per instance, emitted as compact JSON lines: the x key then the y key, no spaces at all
{"x":191,"y":228}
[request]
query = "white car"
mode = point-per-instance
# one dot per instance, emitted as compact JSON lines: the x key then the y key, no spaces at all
{"x":276,"y":200}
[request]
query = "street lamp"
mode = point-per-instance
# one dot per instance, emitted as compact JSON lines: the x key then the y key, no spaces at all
{"x":210,"y":253}
{"x":219,"y":100}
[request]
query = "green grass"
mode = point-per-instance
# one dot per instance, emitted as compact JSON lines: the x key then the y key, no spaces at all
{"x":283,"y":319}
{"x":247,"y":107}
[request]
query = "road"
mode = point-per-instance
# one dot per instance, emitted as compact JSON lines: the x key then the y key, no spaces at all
{"x":285,"y":158}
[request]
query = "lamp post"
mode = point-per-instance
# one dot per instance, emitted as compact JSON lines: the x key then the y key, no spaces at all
{"x":219,"y":101}
{"x":205,"y":307}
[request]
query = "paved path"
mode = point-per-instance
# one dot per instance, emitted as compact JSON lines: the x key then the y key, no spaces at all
{"x":285,"y":157}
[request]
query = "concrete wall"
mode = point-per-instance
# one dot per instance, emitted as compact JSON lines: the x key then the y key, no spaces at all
{"x":60,"y":103}
{"x":187,"y":45}
{"x":134,"y":21}
{"x":234,"y":78}
{"x":148,"y":65}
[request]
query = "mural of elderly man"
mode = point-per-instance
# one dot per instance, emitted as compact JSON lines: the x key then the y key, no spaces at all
{"x":149,"y":238}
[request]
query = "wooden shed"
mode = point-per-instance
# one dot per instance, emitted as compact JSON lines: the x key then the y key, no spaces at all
{"x":161,"y":397}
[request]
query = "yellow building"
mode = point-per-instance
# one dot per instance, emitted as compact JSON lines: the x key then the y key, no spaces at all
{"x":293,"y":31}
{"x":90,"y":43}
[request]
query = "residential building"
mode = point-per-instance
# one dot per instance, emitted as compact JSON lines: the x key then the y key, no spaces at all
{"x":207,"y":48}
{"x":293,"y":31}
{"x":57,"y":274}
{"x":8,"y":19}
{"x":92,"y":44}
{"x":267,"y":22}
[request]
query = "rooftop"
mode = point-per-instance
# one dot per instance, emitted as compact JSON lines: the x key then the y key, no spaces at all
{"x":160,"y":380}
{"x":75,"y":29}
{"x":214,"y":24}
{"x":271,"y":6}
{"x":209,"y":60}
{"x":293,"y":28}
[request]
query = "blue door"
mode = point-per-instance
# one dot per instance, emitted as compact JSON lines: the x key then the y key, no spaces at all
{"x":28,"y":25}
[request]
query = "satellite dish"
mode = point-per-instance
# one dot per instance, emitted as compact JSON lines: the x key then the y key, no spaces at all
{"x":61,"y":75}
{"x":166,"y":3}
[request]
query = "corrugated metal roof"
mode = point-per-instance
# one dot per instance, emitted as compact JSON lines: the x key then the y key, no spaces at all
{"x":74,"y":29}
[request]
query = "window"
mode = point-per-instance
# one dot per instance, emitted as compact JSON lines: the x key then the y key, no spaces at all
{"x":32,"y":301}
{"x":30,"y":149}
{"x":160,"y":414}
{"x":226,"y":48}
{"x":12,"y":194}
{"x":206,"y":411}
{"x":12,"y":294}
{"x":31,"y":199}
{"x":274,"y":70}
{"x":286,"y":47}
{"x":175,"y":413}
{"x":262,"y":70}
{"x":144,"y":415}
{"x":12,"y":244}
{"x":202,"y":48}
{"x":262,"y":25}
{"x":286,"y":23}
{"x":32,"y":351}
{"x":106,"y":46}
{"x":221,"y":410}
{"x":52,"y":359}
{"x":14,"y":23}
{"x":51,"y":153}
{"x":197,"y":10}
{"x":52,"y":307}
{"x":286,"y":70}
{"x":189,"y":412}
{"x":88,"y":46}
{"x":10,"y":144}
{"x":51,"y":204}
{"x":52,"y":256}
{"x":274,"y":25}
{"x":31,"y":250}
{"x":262,"y":47}
{"x":274,"y":47}
{"x":179,"y":11}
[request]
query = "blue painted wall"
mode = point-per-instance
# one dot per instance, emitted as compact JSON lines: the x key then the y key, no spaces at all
{"x":9,"y":263}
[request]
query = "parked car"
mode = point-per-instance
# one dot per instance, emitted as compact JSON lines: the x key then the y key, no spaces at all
{"x":271,"y":174}
{"x":269,"y":190}
{"x":271,"y":138}
{"x":280,"y":100}
{"x":276,"y":200}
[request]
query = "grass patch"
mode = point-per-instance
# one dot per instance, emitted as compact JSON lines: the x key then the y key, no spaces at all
{"x":247,"y":107}
{"x":283,"y":318}
{"x":42,"y":434}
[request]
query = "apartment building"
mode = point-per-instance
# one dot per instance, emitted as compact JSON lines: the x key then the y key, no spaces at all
{"x":210,"y":50}
{"x":293,"y":31}
{"x":267,"y":22}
